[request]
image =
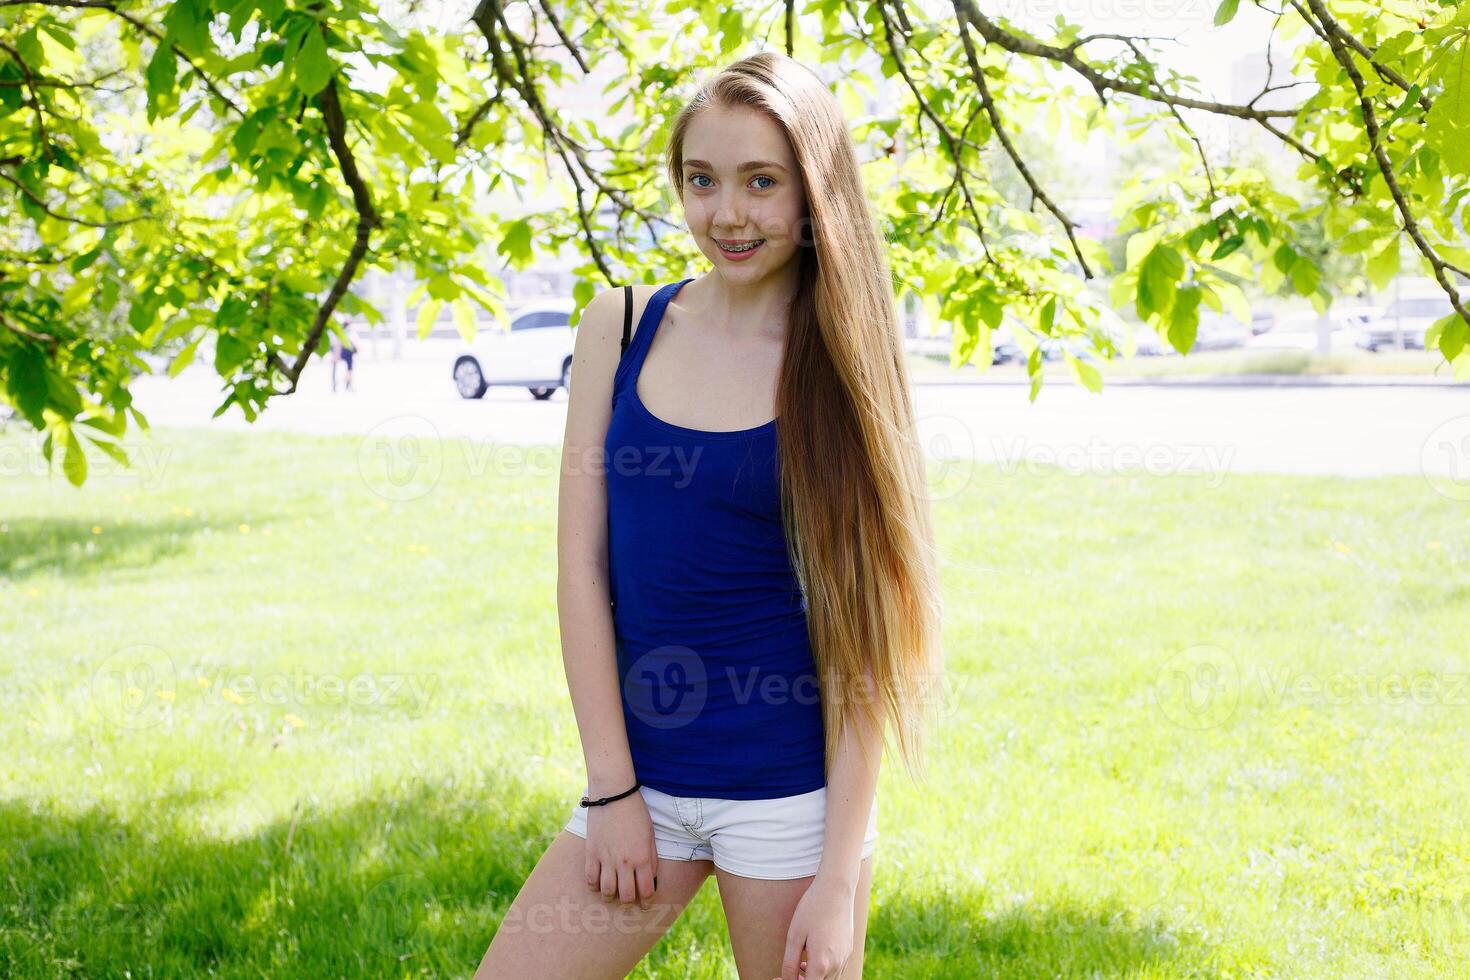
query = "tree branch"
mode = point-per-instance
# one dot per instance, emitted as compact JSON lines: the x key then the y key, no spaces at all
{"x":468,"y":126}
{"x":927,"y":112}
{"x":151,"y":31}
{"x":1016,"y":44}
{"x":1339,"y":45}
{"x":367,"y":220}
{"x":489,"y":17}
{"x":40,"y":338}
{"x":39,"y":202}
{"x":1334,"y":27}
{"x":988,"y":102}
{"x":556,"y":26}
{"x":30,"y":81}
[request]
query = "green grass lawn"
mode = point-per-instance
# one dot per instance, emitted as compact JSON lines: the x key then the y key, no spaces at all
{"x":283,"y":706}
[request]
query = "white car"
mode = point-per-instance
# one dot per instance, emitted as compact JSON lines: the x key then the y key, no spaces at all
{"x":535,"y":353}
{"x":1298,"y":331}
{"x":1220,"y":331}
{"x":1410,"y":314}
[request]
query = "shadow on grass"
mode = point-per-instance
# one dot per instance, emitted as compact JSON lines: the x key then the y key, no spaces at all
{"x":416,"y":884}
{"x":71,"y":549}
{"x":933,"y":926}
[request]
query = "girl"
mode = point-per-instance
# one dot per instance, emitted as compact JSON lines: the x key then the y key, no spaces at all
{"x":747,"y":588}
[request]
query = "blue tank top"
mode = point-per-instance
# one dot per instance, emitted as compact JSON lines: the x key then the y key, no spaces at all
{"x":719,"y":685}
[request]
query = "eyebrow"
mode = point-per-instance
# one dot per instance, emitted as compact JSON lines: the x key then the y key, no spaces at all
{"x":747,"y":165}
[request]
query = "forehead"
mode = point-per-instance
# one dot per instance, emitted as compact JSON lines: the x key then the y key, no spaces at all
{"x":729,"y":135}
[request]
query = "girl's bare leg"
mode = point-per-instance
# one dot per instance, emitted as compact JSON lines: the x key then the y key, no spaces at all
{"x":759,"y":913}
{"x":558,"y":927}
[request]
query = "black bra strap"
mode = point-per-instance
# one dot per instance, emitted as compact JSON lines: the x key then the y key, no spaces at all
{"x":627,"y":317}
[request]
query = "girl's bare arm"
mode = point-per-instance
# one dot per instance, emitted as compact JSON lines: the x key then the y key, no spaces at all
{"x":852,"y":785}
{"x":582,"y":590}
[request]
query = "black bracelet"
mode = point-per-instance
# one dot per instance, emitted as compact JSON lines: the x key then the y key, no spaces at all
{"x":608,"y":799}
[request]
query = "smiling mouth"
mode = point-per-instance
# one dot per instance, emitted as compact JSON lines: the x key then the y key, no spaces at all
{"x":737,"y":247}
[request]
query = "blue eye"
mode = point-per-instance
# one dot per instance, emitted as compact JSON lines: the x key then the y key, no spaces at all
{"x":770,"y":181}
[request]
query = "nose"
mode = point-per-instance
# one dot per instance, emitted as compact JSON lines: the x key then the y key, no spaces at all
{"x":729,"y":212}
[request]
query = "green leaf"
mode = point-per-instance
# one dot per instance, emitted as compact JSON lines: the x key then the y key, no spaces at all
{"x":74,"y":463}
{"x":1227,"y":246}
{"x":232,"y":313}
{"x":188,"y":26}
{"x":1382,"y":268}
{"x":983,"y":349}
{"x":464,"y":318}
{"x":1184,"y":319}
{"x":1159,"y":277}
{"x":1411,"y":98}
{"x":991,"y":311}
{"x":83,"y":261}
{"x":1085,"y":372}
{"x":1397,"y":46}
{"x":62,"y":395}
{"x":1462,"y":366}
{"x":139,"y":418}
{"x":1284,"y":258}
{"x":1305,"y":277}
{"x":443,"y":287}
{"x":142,"y":313}
{"x":161,"y":78}
{"x":1447,"y":126}
{"x":1225,"y":13}
{"x":26,"y":382}
{"x":112,"y":449}
{"x":582,"y":292}
{"x":239,"y":11}
{"x":113,"y":424}
{"x":428,"y":313}
{"x":31,"y":52}
{"x":229,"y":353}
{"x":184,"y":357}
{"x":58,"y":34}
{"x":964,"y":345}
{"x":313,"y":64}
{"x":515,"y":243}
{"x":1449,"y":333}
{"x":1233,"y":298}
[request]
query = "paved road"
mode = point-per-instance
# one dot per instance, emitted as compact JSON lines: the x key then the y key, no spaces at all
{"x":1211,"y":430}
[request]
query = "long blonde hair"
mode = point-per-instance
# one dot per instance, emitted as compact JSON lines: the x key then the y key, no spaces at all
{"x":853,"y":485}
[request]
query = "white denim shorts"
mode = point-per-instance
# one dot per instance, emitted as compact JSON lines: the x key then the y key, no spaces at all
{"x":772,"y":839}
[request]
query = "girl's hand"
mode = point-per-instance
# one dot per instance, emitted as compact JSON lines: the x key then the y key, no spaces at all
{"x":621,"y":860}
{"x":819,"y":940}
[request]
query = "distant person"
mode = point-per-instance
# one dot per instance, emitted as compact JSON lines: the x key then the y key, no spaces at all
{"x":343,"y":353}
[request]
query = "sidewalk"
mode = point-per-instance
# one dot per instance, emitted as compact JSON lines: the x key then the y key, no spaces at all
{"x":1207,"y":380}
